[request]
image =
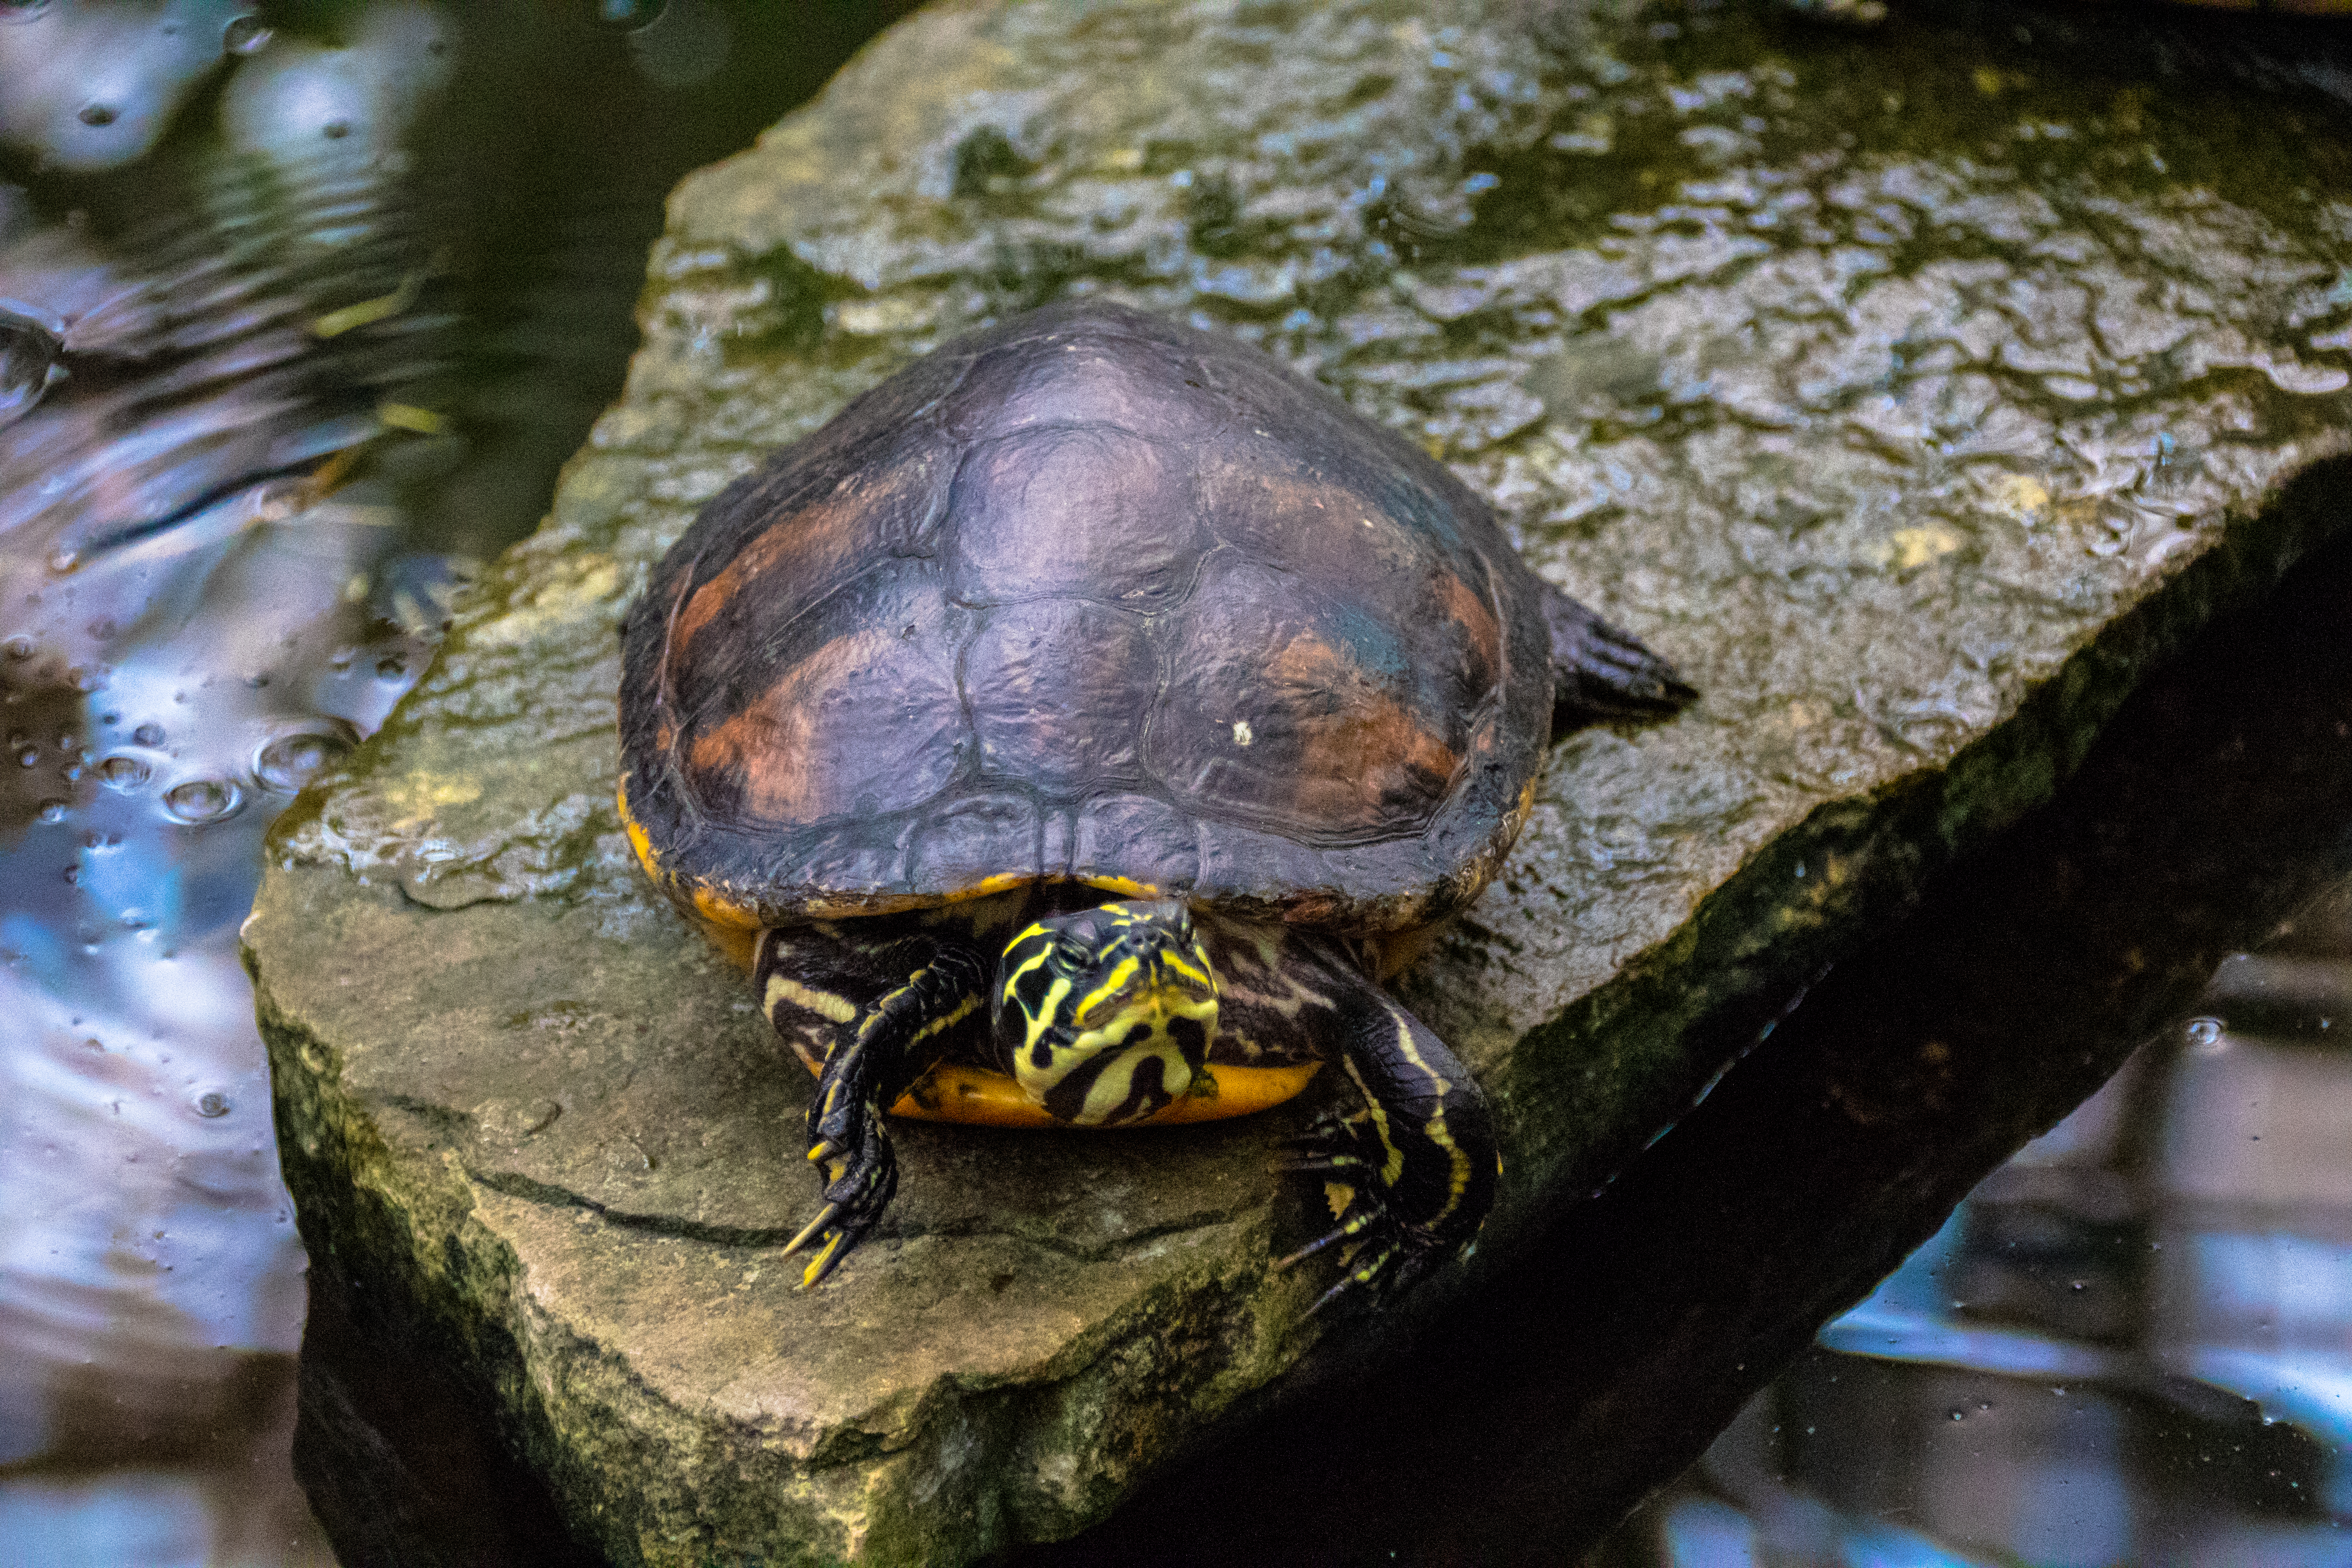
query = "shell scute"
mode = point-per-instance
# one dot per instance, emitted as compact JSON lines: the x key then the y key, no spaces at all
{"x":1115,"y":834}
{"x":1089,"y":371}
{"x":973,"y":838}
{"x":1090,"y":511}
{"x":1307,"y":714}
{"x":1059,"y":689}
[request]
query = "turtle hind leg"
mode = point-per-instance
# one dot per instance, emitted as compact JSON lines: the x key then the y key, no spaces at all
{"x":1601,"y":672}
{"x":883,"y":1011}
{"x":1411,"y":1172}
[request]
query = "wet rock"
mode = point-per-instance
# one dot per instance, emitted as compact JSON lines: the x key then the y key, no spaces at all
{"x":1912,"y":402}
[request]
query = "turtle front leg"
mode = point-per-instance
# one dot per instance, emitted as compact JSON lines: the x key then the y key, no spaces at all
{"x":1410,"y":1174}
{"x":872,"y":1017}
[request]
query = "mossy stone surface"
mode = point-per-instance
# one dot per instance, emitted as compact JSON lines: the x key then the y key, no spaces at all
{"x":1911,"y":405}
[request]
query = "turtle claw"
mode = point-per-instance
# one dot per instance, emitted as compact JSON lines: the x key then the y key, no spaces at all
{"x":844,"y":1221}
{"x":1365,"y":1277}
{"x":1355,"y":1226}
{"x":824,"y":1219}
{"x":852,"y":1151}
{"x":836,"y":1244}
{"x":1384,"y":1252}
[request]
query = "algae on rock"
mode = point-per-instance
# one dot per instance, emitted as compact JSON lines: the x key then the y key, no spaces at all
{"x":1912,"y":407}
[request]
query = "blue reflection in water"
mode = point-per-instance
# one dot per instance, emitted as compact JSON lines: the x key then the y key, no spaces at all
{"x":2133,"y":1343}
{"x":200,"y":606}
{"x":92,"y":84}
{"x":226,"y":392}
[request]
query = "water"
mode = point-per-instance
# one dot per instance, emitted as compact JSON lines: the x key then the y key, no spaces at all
{"x":2132,"y":1343}
{"x":298,"y":310}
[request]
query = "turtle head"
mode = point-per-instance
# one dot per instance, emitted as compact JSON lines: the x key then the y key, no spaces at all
{"x":1105,"y":1014}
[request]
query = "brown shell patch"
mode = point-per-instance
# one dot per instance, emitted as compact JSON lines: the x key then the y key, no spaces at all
{"x":804,"y":553}
{"x":860,"y":713}
{"x":1335,"y":534}
{"x":1293,"y":710}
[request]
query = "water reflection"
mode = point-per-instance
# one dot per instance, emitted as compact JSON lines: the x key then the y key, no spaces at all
{"x":2133,"y":1343}
{"x":91,"y":85}
{"x":191,"y":597}
{"x":300,"y":307}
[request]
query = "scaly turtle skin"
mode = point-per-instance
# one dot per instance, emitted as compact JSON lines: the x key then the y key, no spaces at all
{"x":1087,"y":720}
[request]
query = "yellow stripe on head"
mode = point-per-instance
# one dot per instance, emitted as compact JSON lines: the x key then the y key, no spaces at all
{"x":1105,"y":1015}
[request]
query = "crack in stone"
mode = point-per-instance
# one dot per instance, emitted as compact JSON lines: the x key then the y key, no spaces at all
{"x":766,"y":1237}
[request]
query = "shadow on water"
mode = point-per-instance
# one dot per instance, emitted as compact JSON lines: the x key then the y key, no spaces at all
{"x":301,"y":305}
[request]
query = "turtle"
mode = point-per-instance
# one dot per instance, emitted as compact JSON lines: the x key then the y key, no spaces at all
{"x":1079,"y":730}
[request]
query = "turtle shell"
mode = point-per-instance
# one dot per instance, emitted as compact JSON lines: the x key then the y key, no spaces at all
{"x":1087,"y":596}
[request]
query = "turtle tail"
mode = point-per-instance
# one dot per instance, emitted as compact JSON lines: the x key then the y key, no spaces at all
{"x":1600,"y":672}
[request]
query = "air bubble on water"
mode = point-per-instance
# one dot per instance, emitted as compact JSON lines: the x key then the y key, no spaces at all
{"x":287,"y":761}
{"x":245,"y":35}
{"x":629,"y":15}
{"x":28,"y":352}
{"x":19,"y":647}
{"x":212,"y":1102}
{"x":95,"y":114}
{"x":1959,"y":1415}
{"x":200,"y":801}
{"x":53,"y":811}
{"x":149,"y":734}
{"x":392,"y":667}
{"x":28,"y":757}
{"x":2203,"y":1034}
{"x":123,"y":771}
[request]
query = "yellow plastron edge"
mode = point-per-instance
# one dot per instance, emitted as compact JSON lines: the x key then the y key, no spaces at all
{"x":972,"y":1095}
